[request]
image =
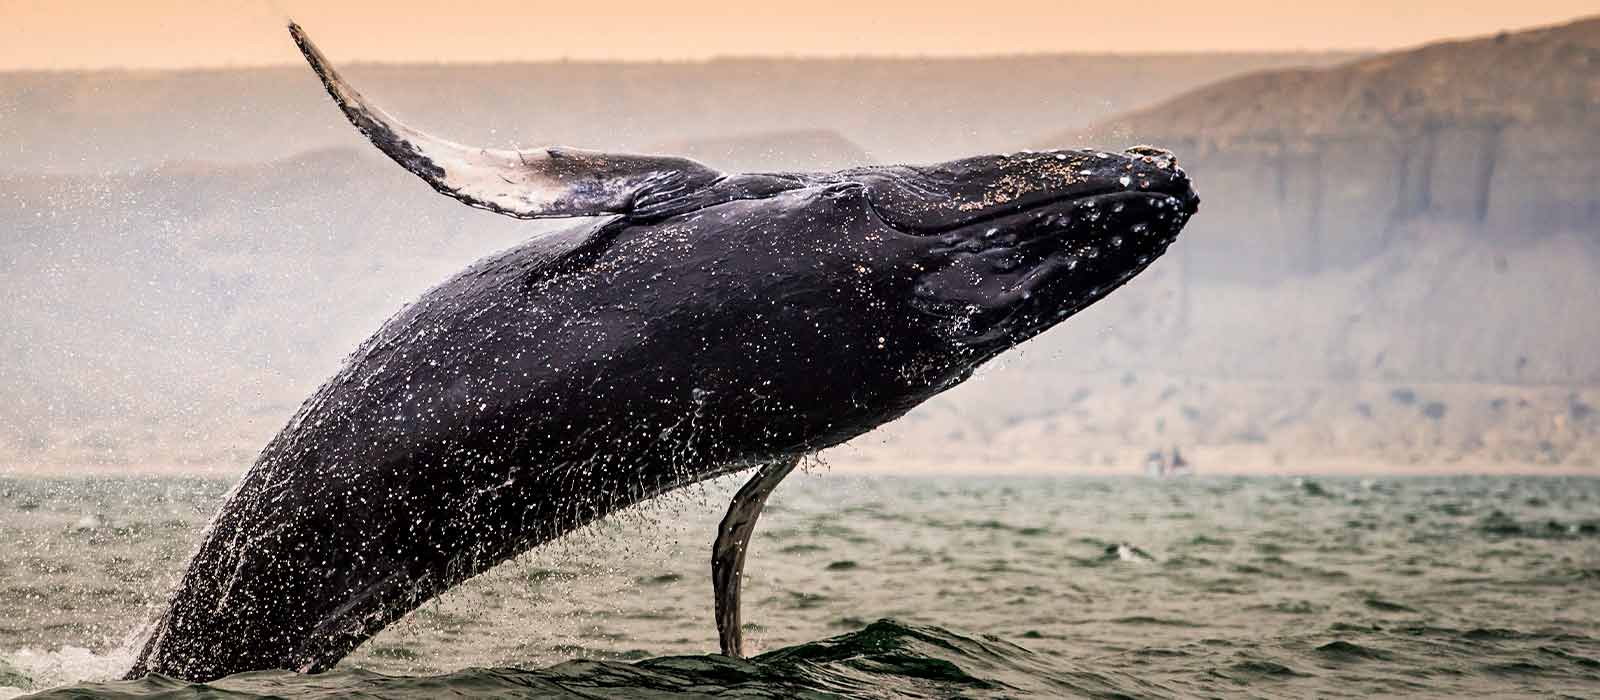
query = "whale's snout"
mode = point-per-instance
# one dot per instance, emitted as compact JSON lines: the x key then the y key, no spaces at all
{"x":1156,"y":170}
{"x":1019,"y":242}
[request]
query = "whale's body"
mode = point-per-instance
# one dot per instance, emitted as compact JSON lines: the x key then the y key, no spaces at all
{"x":718,"y":324}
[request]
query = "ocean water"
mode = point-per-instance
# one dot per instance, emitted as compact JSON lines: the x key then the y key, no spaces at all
{"x":932,"y":587}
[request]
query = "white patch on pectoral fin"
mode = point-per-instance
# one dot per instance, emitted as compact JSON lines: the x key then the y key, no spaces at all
{"x":526,"y":184}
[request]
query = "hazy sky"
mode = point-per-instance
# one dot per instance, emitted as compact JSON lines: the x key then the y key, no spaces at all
{"x":169,"y":33}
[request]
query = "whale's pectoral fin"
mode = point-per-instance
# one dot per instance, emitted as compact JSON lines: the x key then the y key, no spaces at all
{"x":526,"y":184}
{"x":727,"y":554}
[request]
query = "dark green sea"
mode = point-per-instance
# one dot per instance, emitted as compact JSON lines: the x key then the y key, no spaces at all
{"x":891,"y":587}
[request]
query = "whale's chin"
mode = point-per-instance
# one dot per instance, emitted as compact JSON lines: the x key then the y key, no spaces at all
{"x":1010,"y":278}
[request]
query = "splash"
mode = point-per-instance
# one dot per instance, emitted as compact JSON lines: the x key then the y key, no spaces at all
{"x":28,"y":669}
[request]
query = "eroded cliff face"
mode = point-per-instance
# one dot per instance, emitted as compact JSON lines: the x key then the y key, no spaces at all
{"x":1287,"y":207}
{"x":1428,"y":215}
{"x":1310,"y":170}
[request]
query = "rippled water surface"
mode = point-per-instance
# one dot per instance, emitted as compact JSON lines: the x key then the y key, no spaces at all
{"x":994,"y":587}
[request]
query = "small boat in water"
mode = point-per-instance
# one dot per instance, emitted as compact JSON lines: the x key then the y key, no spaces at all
{"x":1159,"y":465}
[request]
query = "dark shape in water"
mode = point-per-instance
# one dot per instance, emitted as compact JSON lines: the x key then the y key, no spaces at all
{"x":702,"y":324}
{"x":1349,"y":652}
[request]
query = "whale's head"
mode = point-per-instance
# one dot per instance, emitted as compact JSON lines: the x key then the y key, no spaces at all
{"x":898,"y":280}
{"x":1012,"y":244}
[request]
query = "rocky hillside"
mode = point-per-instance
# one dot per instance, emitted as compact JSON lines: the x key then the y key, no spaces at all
{"x":806,"y":149}
{"x":1397,"y":262}
{"x":1320,"y":168}
{"x":1425,"y":215}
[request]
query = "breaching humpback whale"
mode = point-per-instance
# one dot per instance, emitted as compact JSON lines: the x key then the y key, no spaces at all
{"x":692,"y":324}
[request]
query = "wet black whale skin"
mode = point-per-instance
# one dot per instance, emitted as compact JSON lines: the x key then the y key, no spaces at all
{"x":758,"y":319}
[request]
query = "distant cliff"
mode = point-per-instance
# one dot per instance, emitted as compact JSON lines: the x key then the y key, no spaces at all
{"x":1424,"y":215}
{"x":909,"y":109}
{"x":804,"y":149}
{"x":1309,"y":169}
{"x":156,"y":317}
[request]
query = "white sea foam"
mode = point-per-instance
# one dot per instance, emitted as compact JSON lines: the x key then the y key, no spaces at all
{"x":66,"y":665}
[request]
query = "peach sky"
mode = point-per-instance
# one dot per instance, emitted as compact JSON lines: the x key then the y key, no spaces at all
{"x":170,"y":33}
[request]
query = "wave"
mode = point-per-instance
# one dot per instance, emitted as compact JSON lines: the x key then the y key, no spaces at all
{"x":885,"y":659}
